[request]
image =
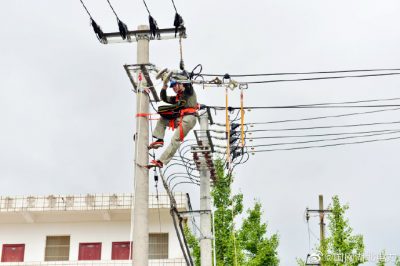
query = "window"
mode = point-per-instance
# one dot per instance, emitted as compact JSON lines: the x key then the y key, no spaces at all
{"x":158,"y":246}
{"x":120,"y":250}
{"x":57,"y":248}
{"x":89,"y":251}
{"x":14,"y":252}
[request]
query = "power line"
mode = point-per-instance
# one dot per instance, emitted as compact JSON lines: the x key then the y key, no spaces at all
{"x":321,"y":78}
{"x":122,"y":27}
{"x":325,"y":127}
{"x":87,"y":11}
{"x":304,"y":73}
{"x":231,"y":108}
{"x":321,"y":140}
{"x":327,"y":145}
{"x":321,"y":117}
{"x":96,"y":28}
{"x":173,"y":3}
{"x":322,"y":135}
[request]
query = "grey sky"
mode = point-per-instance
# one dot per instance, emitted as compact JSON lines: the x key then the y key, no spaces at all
{"x":67,"y":112}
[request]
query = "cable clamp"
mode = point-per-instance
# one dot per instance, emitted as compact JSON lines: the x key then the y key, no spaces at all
{"x":206,"y":237}
{"x":243,"y":86}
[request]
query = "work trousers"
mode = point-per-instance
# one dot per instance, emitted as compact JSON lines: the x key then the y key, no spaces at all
{"x":188,"y":123}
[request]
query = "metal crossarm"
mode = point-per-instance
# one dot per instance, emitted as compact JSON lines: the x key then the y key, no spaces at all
{"x":134,"y":36}
{"x":131,"y":71}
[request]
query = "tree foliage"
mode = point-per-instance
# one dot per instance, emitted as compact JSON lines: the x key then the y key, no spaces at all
{"x":258,"y":248}
{"x":341,"y":248}
{"x":382,"y":259}
{"x":248,"y":245}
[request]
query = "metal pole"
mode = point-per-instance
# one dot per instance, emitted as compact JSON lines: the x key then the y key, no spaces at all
{"x":141,"y":203}
{"x":205,"y":202}
{"x":321,"y":219}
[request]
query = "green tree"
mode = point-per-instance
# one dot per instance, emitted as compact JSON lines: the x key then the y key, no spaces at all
{"x":247,"y":245}
{"x":341,"y":248}
{"x":382,"y":259}
{"x":193,"y":243}
{"x":397,"y":261}
{"x":227,"y":207}
{"x":258,"y":248}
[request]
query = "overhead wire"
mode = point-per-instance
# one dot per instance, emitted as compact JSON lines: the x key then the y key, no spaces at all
{"x":324,"y":127}
{"x":96,"y":28}
{"x":322,"y":140}
{"x":155,"y":31}
{"x":322,"y":135}
{"x":220,"y":108}
{"x":306,"y":73}
{"x":319,"y":78}
{"x":122,"y":27}
{"x":322,"y":117}
{"x":327,"y":145}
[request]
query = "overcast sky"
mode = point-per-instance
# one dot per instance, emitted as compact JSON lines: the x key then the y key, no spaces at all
{"x":67,"y":110}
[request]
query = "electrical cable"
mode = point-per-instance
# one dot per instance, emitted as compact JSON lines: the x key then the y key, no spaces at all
{"x":96,"y":28}
{"x":323,"y":135}
{"x":327,"y":145}
{"x":324,"y":127}
{"x":155,"y":31}
{"x":173,"y":211}
{"x":321,"y":140}
{"x":319,"y":78}
{"x":322,"y":117}
{"x":306,"y":73}
{"x":187,"y":182}
{"x":122,"y":27}
{"x":178,"y":20}
{"x":221,"y":108}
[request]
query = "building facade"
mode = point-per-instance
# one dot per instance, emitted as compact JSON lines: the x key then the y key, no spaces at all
{"x":92,"y":229}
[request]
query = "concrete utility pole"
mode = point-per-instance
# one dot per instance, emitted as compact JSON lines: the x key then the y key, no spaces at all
{"x":321,"y":213}
{"x":205,"y":202}
{"x":321,"y":219}
{"x":141,"y":194}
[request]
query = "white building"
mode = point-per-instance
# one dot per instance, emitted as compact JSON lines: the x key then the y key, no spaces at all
{"x":83,"y":230}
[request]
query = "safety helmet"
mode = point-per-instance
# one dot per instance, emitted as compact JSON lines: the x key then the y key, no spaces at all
{"x":172,"y":83}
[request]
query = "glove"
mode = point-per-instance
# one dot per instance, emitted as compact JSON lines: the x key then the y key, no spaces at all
{"x":166,"y":76}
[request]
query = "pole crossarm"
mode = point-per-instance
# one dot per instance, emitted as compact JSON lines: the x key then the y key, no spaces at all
{"x":319,"y":211}
{"x":202,"y":156}
{"x":132,"y":70}
{"x":134,"y":36}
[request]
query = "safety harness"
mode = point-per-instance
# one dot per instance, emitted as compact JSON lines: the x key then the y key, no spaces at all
{"x":173,"y":112}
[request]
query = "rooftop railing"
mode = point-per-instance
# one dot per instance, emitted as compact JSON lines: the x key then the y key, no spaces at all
{"x":83,"y":202}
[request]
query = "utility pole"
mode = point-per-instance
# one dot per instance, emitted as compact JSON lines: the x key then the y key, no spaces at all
{"x":321,"y":213}
{"x":205,"y":202}
{"x":141,"y":201}
{"x":321,"y":219}
{"x":143,"y":35}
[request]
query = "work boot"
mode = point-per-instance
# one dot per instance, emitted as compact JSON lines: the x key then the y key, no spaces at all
{"x":155,"y":163}
{"x":156,"y":144}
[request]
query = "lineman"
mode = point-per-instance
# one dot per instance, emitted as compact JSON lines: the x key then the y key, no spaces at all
{"x":181,"y":115}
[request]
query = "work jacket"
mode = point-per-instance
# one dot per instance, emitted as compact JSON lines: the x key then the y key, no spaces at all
{"x":185,"y":99}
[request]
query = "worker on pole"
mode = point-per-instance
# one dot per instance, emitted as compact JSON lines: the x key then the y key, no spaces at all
{"x":181,"y":114}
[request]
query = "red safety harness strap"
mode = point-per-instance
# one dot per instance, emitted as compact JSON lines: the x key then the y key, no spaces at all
{"x":182,"y":113}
